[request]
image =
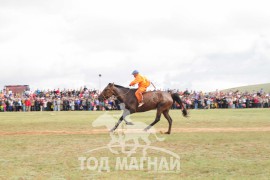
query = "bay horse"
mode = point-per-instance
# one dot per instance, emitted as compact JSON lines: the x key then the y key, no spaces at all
{"x":160,"y":100}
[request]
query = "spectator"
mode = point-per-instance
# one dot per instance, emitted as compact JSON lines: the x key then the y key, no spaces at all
{"x":72,"y":104}
{"x":28,"y":104}
{"x":58,"y":104}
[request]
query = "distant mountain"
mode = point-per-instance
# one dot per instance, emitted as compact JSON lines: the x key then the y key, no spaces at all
{"x":251,"y":88}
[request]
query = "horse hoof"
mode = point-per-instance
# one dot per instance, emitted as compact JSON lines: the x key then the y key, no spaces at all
{"x":145,"y":130}
{"x":112,"y":130}
{"x":129,"y":123}
{"x":167,"y":133}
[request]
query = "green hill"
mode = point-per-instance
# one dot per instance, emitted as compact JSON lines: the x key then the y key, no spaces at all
{"x":251,"y":88}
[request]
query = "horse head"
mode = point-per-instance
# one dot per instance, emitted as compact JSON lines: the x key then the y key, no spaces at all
{"x":107,"y":92}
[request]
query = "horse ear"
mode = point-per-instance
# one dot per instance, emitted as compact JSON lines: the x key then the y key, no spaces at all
{"x":111,"y":84}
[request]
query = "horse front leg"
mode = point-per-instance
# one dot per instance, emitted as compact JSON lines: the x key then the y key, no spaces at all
{"x":155,"y":121}
{"x":128,"y":123}
{"x":125,"y":114}
{"x":117,"y":124}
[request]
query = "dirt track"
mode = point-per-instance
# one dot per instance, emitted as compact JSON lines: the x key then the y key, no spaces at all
{"x":104,"y":131}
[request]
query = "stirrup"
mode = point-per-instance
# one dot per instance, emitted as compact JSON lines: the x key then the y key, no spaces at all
{"x":140,"y":104}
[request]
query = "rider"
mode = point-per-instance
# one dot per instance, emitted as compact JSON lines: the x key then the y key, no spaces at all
{"x":143,"y":83}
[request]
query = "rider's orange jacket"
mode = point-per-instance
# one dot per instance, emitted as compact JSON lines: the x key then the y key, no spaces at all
{"x":141,"y":81}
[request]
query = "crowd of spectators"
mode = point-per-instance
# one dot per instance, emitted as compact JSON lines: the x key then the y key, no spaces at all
{"x":87,"y":100}
{"x":219,"y":99}
{"x":55,"y":100}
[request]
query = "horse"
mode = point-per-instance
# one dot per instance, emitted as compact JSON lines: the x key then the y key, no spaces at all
{"x":160,"y":100}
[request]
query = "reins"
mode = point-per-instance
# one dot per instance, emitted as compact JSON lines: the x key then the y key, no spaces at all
{"x":124,"y":93}
{"x":114,"y":93}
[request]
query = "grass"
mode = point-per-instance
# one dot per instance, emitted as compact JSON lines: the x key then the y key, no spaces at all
{"x":204,"y":155}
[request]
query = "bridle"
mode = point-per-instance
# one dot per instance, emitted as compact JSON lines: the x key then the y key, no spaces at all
{"x":104,"y":97}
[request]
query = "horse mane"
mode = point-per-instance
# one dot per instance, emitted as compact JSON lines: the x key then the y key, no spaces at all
{"x":118,"y":86}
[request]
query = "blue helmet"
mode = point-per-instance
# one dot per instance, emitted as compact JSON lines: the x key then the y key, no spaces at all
{"x":135,"y":72}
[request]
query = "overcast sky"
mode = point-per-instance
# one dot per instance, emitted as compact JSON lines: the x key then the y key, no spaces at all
{"x":199,"y":45}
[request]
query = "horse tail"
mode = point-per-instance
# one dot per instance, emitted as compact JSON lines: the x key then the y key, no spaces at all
{"x":176,"y":98}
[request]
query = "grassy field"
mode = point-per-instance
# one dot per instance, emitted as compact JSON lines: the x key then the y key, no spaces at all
{"x":27,"y":153}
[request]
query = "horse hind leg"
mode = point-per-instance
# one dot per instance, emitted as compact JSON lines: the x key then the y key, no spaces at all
{"x":167,"y":116}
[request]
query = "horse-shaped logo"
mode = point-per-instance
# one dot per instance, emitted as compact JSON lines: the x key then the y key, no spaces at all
{"x":128,"y":133}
